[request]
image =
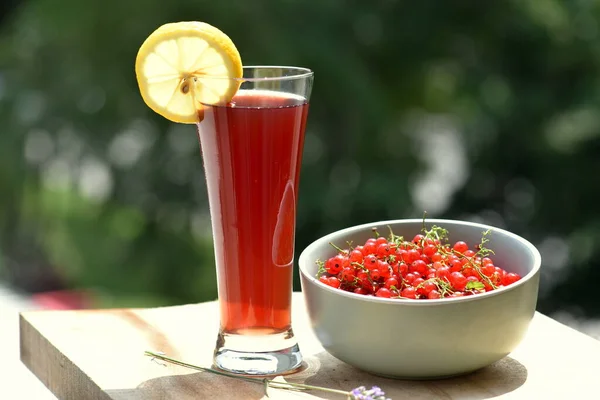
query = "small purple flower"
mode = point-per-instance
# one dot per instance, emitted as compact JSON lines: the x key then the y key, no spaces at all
{"x":361,"y":393}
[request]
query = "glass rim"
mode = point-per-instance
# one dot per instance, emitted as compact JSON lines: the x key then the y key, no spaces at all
{"x":299,"y":73}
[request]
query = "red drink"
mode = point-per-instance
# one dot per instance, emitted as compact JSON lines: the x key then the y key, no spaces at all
{"x":252,"y":150}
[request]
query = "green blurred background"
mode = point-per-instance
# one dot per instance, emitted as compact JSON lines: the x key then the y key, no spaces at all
{"x":487,"y":111}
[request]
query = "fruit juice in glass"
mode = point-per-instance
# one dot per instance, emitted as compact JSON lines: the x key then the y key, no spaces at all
{"x":252,"y":150}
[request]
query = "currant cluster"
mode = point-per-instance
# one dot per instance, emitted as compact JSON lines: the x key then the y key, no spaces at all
{"x":426,"y":267}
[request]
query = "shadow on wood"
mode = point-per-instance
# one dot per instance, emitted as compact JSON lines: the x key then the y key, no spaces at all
{"x":194,"y":386}
{"x":324,"y":370}
{"x":497,"y":379}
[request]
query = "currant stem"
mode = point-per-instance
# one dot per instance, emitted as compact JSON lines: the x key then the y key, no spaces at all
{"x":476,"y":268}
{"x":359,"y":265}
{"x":440,"y":234}
{"x":337,"y":248}
{"x":321,"y":269}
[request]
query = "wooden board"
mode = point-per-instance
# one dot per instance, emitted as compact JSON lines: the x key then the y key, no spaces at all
{"x":98,"y":354}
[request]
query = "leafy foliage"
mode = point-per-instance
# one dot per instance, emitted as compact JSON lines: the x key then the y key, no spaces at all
{"x":479,"y":110}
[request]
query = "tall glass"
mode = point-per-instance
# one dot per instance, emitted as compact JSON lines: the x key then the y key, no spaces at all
{"x":252,"y":150}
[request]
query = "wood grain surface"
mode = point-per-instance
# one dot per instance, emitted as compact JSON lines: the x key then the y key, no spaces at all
{"x":99,"y":354}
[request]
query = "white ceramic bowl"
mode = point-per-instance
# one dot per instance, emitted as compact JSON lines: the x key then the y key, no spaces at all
{"x":423,"y":339}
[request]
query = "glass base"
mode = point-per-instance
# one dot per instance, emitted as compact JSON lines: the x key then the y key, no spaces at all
{"x":252,"y":354}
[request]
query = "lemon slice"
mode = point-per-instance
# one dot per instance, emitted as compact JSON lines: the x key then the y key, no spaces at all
{"x":183,"y":65}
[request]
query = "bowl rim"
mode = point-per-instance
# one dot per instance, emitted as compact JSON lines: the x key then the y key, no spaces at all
{"x":303,"y":261}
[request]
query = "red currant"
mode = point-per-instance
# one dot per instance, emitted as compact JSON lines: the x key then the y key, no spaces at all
{"x":436,"y":257}
{"x":496,"y":278}
{"x":335,"y":264}
{"x":409,"y":278}
{"x":456,"y":264}
{"x":401,"y":254}
{"x":417,"y":282}
{"x":509,"y":278}
{"x":348,"y":274}
{"x":334,"y":282}
{"x":460,"y":247}
{"x":402,"y":269}
{"x":430,"y":250}
{"x":381,"y":240}
{"x":458,"y":280}
{"x":425,"y":259}
{"x":437,"y":265}
{"x":409,"y":293}
{"x":488,"y":270}
{"x":375,"y":275}
{"x":383,"y":250}
{"x":370,"y":262}
{"x":391,"y":283}
{"x":412,"y":255}
{"x":428,"y":286}
{"x":384,"y":269}
{"x":443,"y":273}
{"x":369,"y":248}
{"x":356,"y":256}
{"x":418,"y":267}
{"x":418,"y":239}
